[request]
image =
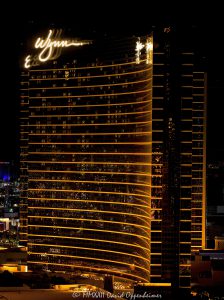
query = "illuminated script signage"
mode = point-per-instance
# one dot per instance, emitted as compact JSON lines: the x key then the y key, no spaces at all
{"x":50,"y":48}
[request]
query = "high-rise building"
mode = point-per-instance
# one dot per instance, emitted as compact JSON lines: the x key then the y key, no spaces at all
{"x":179,"y":148}
{"x":88,"y":158}
{"x":215,"y":202}
{"x":113,"y":157}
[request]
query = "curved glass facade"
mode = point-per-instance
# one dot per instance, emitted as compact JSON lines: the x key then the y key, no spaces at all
{"x":89,"y":160}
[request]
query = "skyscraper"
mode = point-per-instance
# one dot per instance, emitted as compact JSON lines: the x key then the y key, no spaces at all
{"x":89,"y":156}
{"x":115,"y":167}
{"x":179,"y":145}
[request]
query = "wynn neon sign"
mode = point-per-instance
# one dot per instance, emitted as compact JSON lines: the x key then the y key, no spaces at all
{"x":50,"y":48}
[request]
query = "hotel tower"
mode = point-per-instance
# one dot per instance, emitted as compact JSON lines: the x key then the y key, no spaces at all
{"x":113,"y":157}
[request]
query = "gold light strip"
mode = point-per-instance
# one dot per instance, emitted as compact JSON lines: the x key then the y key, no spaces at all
{"x":89,"y":258}
{"x":90,"y":210}
{"x":94,"y":76}
{"x":93,"y":115}
{"x":92,"y":249}
{"x":142,"y":227}
{"x":92,"y":201}
{"x":88,"y":172}
{"x":88,"y":239}
{"x":91,"y":96}
{"x":86,"y":191}
{"x":88,"y":86}
{"x":105,"y":270}
{"x":88,"y":181}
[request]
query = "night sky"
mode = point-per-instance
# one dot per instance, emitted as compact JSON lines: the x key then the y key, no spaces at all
{"x":89,"y":16}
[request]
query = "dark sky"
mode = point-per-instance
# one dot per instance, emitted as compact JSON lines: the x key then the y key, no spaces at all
{"x":25,"y":18}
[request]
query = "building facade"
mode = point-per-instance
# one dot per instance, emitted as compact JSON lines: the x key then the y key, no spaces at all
{"x":113,"y":158}
{"x":179,"y":145}
{"x":88,"y":159}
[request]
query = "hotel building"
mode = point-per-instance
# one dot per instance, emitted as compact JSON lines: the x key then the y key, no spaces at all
{"x":113,"y":158}
{"x":178,"y":195}
{"x":88,"y":131}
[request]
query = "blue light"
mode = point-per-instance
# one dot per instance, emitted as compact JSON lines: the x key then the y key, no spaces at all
{"x":6,"y":178}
